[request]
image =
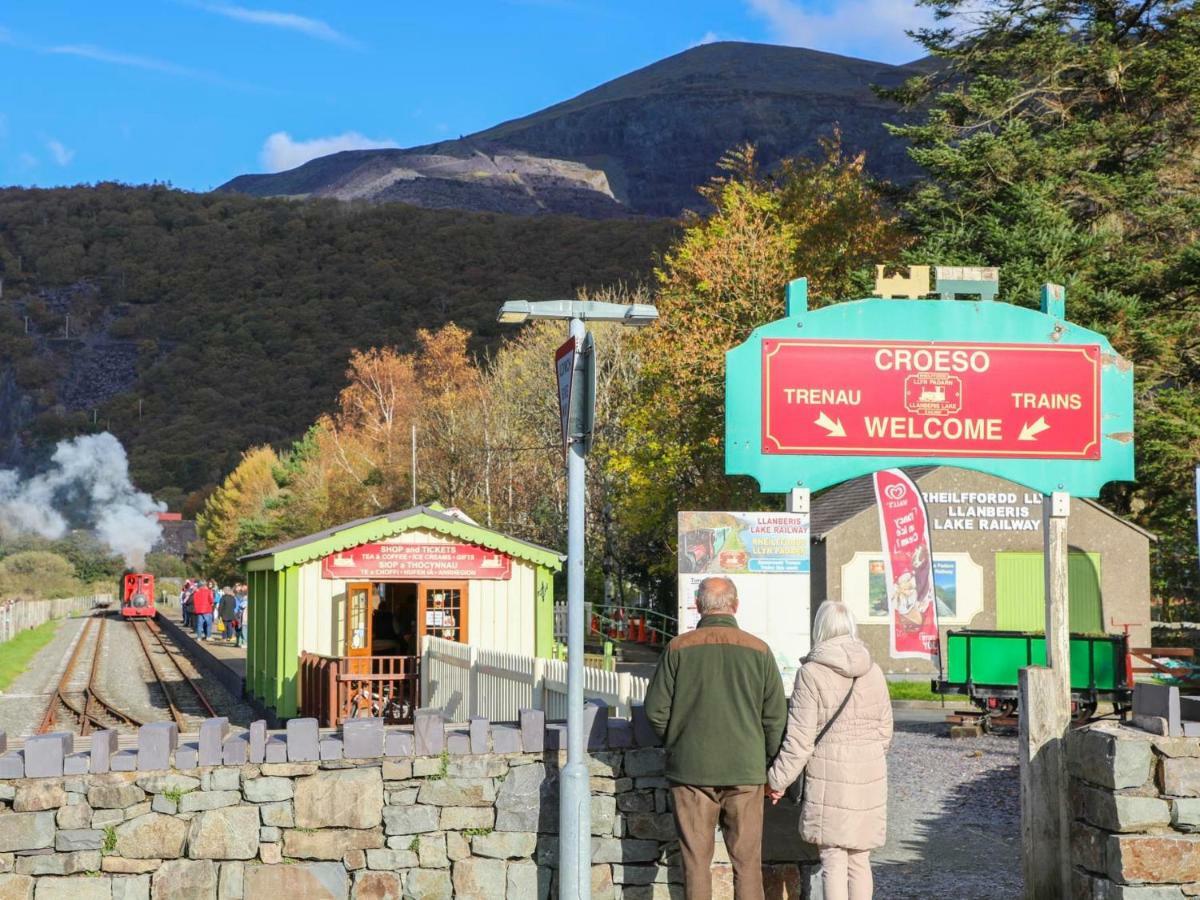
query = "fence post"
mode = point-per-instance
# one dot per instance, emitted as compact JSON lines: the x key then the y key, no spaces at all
{"x":538,"y":694}
{"x":472,"y":681}
{"x":624,"y":689}
{"x":424,"y":698}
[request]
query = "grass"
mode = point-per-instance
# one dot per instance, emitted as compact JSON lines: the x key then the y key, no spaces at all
{"x":21,"y":649}
{"x":917,"y":690}
{"x":110,"y":839}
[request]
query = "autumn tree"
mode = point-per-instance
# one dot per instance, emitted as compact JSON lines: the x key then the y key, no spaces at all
{"x":722,"y":278}
{"x":236,"y":519}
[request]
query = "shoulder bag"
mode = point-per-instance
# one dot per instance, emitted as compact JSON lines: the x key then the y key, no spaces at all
{"x":795,"y":790}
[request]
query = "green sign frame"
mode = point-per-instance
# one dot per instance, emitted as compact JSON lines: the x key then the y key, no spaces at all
{"x":874,"y":319}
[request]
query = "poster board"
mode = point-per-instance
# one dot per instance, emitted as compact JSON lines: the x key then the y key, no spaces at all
{"x":766,"y":555}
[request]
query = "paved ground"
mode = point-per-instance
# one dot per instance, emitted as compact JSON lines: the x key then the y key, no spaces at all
{"x":953,"y":815}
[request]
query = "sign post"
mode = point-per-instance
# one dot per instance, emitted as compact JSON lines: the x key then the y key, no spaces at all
{"x":1021,"y":394}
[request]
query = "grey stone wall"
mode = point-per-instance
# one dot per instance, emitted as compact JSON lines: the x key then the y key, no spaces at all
{"x":1136,"y":804}
{"x":427,"y":812}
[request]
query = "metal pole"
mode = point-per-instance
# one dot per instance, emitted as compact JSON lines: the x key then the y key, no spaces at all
{"x":414,"y":463}
{"x":575,"y":805}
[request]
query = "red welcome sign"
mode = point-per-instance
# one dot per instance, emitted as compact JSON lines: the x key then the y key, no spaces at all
{"x":930,"y":398}
{"x":908,"y":563}
{"x":417,"y":562}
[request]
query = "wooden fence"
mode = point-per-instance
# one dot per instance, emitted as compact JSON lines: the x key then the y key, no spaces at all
{"x":465,"y":681}
{"x":21,"y":615}
{"x":336,"y":688}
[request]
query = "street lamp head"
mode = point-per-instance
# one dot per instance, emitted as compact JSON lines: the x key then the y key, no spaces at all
{"x":513,"y":312}
{"x":516,"y":312}
{"x":639,"y":315}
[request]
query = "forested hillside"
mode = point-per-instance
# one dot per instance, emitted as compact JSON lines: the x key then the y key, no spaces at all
{"x":204,"y":324}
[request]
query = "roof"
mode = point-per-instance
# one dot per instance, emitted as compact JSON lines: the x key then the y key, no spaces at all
{"x":841,"y":503}
{"x":361,"y":531}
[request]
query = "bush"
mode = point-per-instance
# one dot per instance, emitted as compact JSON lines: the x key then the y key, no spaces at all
{"x":164,"y":565}
{"x":38,"y":573}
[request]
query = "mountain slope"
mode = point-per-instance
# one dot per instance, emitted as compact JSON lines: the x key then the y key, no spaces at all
{"x":639,"y":144}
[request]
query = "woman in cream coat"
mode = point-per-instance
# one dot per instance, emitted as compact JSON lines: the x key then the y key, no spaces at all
{"x":845,"y":801}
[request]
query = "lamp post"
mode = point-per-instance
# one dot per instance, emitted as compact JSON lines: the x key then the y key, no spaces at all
{"x":574,"y":804}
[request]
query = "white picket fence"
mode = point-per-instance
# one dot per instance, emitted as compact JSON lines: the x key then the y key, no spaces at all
{"x":21,"y":615}
{"x":465,"y":681}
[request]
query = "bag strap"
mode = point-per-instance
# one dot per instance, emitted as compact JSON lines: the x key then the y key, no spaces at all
{"x":834,"y":717}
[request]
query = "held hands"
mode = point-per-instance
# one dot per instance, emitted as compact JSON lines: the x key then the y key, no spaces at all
{"x":774,"y":795}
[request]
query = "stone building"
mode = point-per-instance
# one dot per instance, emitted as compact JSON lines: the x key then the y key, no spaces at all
{"x":988,"y":564}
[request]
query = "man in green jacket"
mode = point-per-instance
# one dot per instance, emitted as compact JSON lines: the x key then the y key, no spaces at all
{"x":717,"y":702}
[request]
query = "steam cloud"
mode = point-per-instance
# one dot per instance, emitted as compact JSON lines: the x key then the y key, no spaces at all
{"x":86,"y":486}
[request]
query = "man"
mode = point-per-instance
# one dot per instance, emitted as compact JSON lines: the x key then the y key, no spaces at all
{"x":202,"y":610}
{"x":717,"y":702}
{"x":227,"y":610}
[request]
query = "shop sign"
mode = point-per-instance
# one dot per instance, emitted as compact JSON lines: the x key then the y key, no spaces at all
{"x":882,"y":398}
{"x":823,"y":396}
{"x":417,"y":562}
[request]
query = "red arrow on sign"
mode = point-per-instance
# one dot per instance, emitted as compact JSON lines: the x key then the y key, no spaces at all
{"x":910,"y":398}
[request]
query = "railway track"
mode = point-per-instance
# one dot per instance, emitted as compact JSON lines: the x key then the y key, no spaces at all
{"x":75,"y":704}
{"x":183,"y":696}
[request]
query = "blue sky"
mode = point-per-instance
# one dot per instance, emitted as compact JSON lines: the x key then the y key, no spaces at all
{"x":193,"y":92}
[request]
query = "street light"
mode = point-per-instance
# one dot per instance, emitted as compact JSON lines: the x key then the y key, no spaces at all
{"x":574,"y":803}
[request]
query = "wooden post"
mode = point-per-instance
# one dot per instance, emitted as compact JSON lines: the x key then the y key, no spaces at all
{"x":1045,"y":705}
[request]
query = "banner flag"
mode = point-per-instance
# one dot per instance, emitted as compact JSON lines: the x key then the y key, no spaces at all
{"x":908,"y":564}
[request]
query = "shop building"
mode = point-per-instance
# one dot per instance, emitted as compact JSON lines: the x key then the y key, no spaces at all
{"x":364,"y":594}
{"x":988,"y":565}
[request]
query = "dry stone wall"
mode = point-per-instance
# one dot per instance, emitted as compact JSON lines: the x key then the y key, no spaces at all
{"x":1136,"y":829}
{"x":424,"y":812}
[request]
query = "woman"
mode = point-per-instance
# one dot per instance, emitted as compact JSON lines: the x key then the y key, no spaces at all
{"x":845,"y":795}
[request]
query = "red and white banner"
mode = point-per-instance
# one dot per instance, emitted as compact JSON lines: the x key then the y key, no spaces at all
{"x":418,"y":562}
{"x":908,"y":561}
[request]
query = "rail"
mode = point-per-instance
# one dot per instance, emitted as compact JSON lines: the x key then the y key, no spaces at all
{"x":634,"y":623}
{"x":94,"y":706}
{"x":144,"y":627}
{"x":336,"y":688}
{"x":465,"y":681}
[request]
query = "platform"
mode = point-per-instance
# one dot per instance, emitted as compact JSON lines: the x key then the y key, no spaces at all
{"x":224,"y":662}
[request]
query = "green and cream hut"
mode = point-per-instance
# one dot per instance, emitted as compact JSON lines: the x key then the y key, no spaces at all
{"x":337,"y":618}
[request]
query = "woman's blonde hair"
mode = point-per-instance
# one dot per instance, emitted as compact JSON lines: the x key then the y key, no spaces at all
{"x":834,"y":619}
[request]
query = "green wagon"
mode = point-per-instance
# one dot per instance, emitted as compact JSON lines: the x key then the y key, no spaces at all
{"x":984,"y":666}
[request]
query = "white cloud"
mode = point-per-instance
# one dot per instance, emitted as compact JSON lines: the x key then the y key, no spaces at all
{"x":710,"y":37}
{"x":280,"y":151}
{"x":117,"y":58}
{"x":59,"y":152}
{"x":873,"y":29}
{"x":314,"y":28}
{"x":27,"y":160}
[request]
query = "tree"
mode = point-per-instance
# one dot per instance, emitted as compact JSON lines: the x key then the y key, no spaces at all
{"x":1061,"y":142}
{"x":722,"y":278}
{"x":239,"y":503}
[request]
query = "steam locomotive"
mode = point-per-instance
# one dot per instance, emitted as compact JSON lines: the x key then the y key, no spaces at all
{"x":137,"y":594}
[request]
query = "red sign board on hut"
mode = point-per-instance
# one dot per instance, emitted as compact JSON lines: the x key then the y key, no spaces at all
{"x":417,"y":562}
{"x":931,"y":398}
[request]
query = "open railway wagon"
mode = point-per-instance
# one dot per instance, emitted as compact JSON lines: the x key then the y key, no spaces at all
{"x":983,"y":665}
{"x":137,"y":595}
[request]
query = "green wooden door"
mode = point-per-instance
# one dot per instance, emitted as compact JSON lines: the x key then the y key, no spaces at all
{"x":1021,"y":592}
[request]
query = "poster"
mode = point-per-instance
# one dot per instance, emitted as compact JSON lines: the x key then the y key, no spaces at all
{"x":945,"y":588}
{"x":766,"y":555}
{"x":909,"y":574}
{"x":417,"y":562}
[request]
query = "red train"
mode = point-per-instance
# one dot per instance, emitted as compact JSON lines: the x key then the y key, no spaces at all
{"x":137,"y":594}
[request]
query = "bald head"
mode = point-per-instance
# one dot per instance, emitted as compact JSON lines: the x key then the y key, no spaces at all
{"x":716,"y":594}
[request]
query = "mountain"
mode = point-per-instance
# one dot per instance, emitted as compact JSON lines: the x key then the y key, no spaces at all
{"x":637,"y":145}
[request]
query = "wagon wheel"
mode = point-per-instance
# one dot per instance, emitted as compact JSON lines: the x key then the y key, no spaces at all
{"x":1084,"y":710}
{"x":1006,"y":709}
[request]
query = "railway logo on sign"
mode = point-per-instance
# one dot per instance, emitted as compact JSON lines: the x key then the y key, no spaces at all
{"x":931,"y":398}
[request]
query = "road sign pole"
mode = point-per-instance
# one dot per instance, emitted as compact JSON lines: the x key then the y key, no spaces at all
{"x":575,"y":805}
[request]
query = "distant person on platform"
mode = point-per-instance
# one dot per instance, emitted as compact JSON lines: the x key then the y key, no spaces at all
{"x":185,"y":602}
{"x":227,"y":610}
{"x":202,"y":610}
{"x":239,"y":623}
{"x":838,"y":732}
{"x":717,"y":702}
